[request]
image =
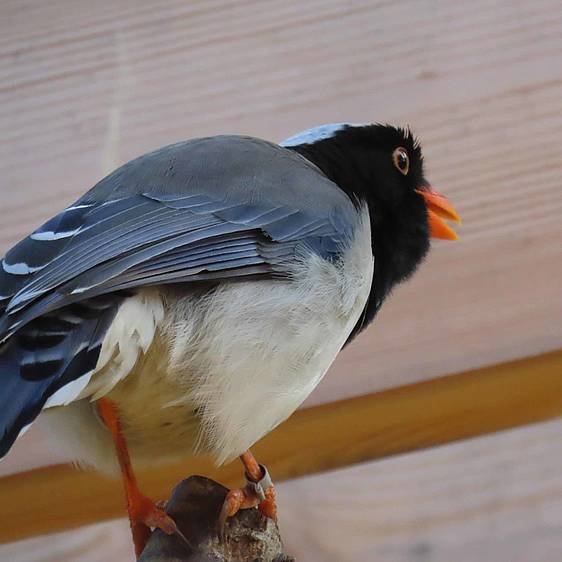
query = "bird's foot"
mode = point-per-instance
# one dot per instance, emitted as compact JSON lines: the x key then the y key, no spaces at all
{"x":268,"y":506}
{"x":145,"y":515}
{"x":260,"y":494}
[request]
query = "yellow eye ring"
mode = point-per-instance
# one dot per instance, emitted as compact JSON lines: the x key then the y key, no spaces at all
{"x":401,"y":160}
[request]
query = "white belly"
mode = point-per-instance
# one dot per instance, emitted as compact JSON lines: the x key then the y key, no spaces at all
{"x":222,"y":370}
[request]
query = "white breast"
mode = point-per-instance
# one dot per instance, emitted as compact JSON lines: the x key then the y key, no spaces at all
{"x":255,"y":350}
{"x":233,"y":363}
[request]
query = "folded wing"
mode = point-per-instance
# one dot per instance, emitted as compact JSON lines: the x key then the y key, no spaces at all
{"x":61,"y":287}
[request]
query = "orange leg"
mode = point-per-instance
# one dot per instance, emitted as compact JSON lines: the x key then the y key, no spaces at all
{"x":258,"y":492}
{"x":255,"y":473}
{"x":143,"y":512}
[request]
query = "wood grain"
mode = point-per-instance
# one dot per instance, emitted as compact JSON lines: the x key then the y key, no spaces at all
{"x":314,"y":440}
{"x":496,"y":498}
{"x":86,"y":87}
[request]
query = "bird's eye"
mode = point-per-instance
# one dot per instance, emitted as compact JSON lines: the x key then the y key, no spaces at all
{"x":401,"y":160}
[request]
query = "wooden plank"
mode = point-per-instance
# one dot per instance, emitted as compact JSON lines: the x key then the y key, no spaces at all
{"x":495,"y":498}
{"x":314,"y":440}
{"x":84,"y":88}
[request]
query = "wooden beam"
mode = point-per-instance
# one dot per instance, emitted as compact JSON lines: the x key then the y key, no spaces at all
{"x":317,"y":439}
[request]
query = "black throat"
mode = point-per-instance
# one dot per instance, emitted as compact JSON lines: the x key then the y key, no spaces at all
{"x":399,"y":233}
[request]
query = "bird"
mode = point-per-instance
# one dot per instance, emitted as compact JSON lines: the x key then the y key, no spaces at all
{"x":194,"y":297}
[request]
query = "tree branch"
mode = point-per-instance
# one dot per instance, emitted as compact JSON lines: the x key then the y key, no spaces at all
{"x":195,"y":505}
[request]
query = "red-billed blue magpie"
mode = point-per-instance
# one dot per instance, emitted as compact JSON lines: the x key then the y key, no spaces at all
{"x":193,"y":298}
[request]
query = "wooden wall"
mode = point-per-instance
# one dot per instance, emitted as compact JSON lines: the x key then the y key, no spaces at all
{"x":85,"y":86}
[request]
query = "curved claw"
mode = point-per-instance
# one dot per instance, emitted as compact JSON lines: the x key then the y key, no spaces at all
{"x":146,"y":515}
{"x":260,"y":494}
{"x":240,"y":498}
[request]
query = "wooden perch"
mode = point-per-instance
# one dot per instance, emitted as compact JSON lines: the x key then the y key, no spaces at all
{"x":195,"y":505}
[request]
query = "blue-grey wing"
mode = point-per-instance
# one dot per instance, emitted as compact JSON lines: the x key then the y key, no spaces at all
{"x":55,"y":352}
{"x":207,"y":208}
{"x":150,"y":239}
{"x":61,"y":287}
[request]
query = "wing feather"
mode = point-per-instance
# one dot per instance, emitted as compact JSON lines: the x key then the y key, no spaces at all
{"x":167,"y":217}
{"x":142,"y":240}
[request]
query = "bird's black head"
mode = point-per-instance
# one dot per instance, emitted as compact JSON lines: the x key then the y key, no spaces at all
{"x":382,"y":166}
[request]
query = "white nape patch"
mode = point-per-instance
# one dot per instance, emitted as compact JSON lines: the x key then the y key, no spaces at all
{"x":49,"y":235}
{"x":317,"y":133}
{"x":19,"y":268}
{"x":69,"y":392}
{"x":129,"y":336}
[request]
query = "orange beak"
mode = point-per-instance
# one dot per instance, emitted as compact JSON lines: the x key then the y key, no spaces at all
{"x":438,"y":209}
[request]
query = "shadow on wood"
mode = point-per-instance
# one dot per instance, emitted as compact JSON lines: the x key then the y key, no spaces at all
{"x":195,"y":505}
